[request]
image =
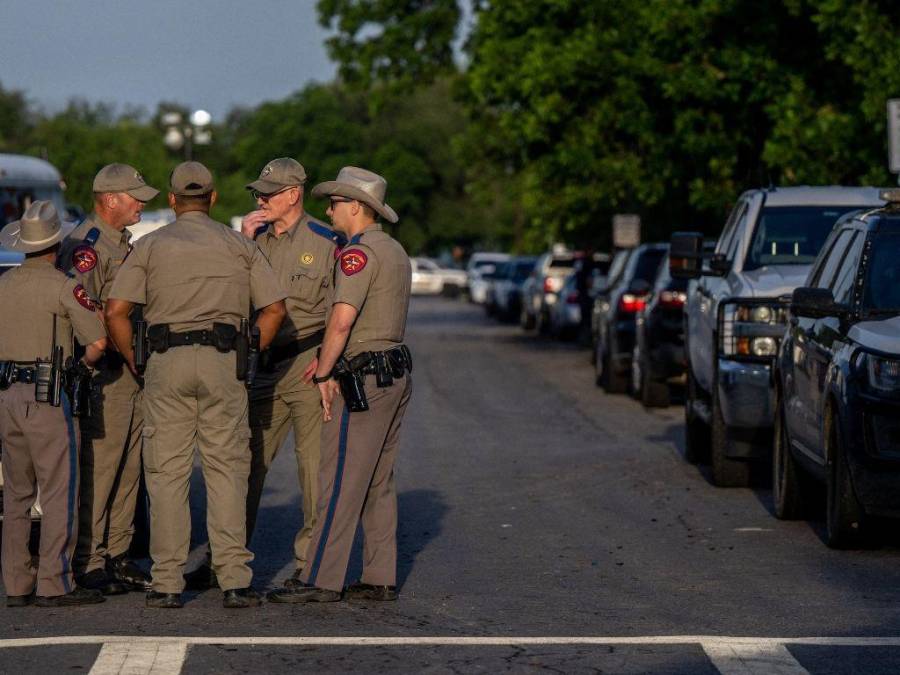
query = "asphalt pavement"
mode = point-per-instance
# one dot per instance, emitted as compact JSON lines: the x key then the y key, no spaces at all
{"x":543,"y":526}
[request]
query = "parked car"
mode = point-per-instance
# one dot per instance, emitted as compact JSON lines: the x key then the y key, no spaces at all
{"x":735,"y":316}
{"x":600,"y":292}
{"x":429,"y":278}
{"x":25,"y":179}
{"x":657,"y":362}
{"x":614,"y":317}
{"x":837,"y":381}
{"x":542,"y":287}
{"x":565,"y":313}
{"x":426,"y":279}
{"x":507,"y":289}
{"x":479,"y":265}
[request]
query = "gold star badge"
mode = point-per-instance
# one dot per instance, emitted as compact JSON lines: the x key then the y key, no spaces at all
{"x":307,"y":258}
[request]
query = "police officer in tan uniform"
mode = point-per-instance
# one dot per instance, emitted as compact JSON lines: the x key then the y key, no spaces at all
{"x":363,"y":346}
{"x":301,"y":252}
{"x":111,"y":444}
{"x":197,"y":279}
{"x":42,"y":307}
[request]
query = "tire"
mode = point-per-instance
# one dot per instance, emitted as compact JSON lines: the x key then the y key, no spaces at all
{"x":790,"y":487}
{"x":726,"y":472}
{"x":696,"y":431}
{"x":613,"y":383}
{"x":636,"y":382}
{"x":599,"y":360}
{"x":845,"y":526}
{"x":653,"y":394}
{"x":526,"y":321}
{"x":542,"y":322}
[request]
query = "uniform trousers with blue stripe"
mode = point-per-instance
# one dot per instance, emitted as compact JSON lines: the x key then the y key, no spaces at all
{"x":356,"y":483}
{"x":40,"y":450}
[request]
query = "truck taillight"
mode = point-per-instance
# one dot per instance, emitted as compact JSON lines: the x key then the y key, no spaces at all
{"x":630,"y":303}
{"x":552,"y":284}
{"x":672,"y":299}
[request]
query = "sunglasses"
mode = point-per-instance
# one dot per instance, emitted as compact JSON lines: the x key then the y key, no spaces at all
{"x":338,"y":200}
{"x":259,"y":196}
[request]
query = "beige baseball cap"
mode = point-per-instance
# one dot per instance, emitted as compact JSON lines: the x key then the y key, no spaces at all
{"x":191,"y":179}
{"x":278,"y":174}
{"x":363,"y":186}
{"x":123,"y":178}
{"x":38,"y":229}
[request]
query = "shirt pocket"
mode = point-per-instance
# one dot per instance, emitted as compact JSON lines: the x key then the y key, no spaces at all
{"x":308,"y":287}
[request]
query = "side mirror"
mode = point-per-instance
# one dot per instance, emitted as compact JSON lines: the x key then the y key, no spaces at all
{"x":813,"y":302}
{"x":686,"y":255}
{"x":639,"y":287}
{"x":719,"y":265}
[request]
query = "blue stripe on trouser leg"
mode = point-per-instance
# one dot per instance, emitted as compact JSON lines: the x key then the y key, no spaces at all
{"x":335,"y":494}
{"x":73,"y":483}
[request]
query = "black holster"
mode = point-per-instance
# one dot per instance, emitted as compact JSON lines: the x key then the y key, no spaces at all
{"x":352,"y":386}
{"x":48,"y":379}
{"x":158,"y":337}
{"x":139,"y":341}
{"x":7,"y":374}
{"x":242,"y":351}
{"x":79,"y":388}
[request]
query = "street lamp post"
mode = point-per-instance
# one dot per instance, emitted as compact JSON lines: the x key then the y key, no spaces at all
{"x":186,"y":134}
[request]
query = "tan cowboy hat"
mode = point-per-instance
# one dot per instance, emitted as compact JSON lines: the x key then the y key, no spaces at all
{"x":38,"y":229}
{"x":361,"y":185}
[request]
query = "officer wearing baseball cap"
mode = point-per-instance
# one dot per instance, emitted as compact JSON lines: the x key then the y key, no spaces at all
{"x":111,"y":444}
{"x":39,"y":432}
{"x":283,"y":398}
{"x":197,"y":279}
{"x":363,"y":349}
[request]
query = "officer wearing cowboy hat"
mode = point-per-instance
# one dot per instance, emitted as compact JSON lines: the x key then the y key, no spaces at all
{"x":364,"y":330}
{"x":43,"y":308}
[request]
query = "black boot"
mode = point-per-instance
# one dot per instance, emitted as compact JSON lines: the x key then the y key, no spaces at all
{"x":157,"y":600}
{"x":20,"y":600}
{"x":303,"y":593}
{"x":99,"y":580}
{"x":240,"y":598}
{"x":201,"y":579}
{"x":80,"y":596}
{"x":127,"y":573}
{"x":361,"y":591}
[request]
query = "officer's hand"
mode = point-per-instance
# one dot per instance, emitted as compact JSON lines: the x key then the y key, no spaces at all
{"x":327,"y":390}
{"x":310,"y":370}
{"x":251,"y":222}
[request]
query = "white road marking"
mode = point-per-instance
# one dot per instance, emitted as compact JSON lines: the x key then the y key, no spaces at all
{"x":162,"y":655}
{"x":140,"y":658}
{"x":754,"y":658}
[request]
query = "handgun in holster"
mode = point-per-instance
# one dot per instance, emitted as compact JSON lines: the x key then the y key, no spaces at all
{"x":78,"y":387}
{"x":253,"y":358}
{"x":7,"y":374}
{"x":139,"y":339}
{"x":352,"y":386}
{"x":158,"y":337}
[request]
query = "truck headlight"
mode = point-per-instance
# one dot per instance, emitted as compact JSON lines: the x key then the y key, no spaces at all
{"x":883,"y":374}
{"x":751,"y":329}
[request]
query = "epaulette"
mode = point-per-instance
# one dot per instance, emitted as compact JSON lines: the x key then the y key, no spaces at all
{"x":336,"y":237}
{"x":92,"y":236}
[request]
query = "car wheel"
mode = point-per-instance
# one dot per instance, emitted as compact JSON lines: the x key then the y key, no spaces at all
{"x":653,"y":394}
{"x":599,"y":361}
{"x":696,"y":431}
{"x":844,"y":516}
{"x":614,"y":383}
{"x":542,"y":321}
{"x":790,"y":490}
{"x":726,"y":472}
{"x":526,"y":321}
{"x":637,"y":377}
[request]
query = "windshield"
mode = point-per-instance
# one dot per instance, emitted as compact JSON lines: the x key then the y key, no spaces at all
{"x":522,"y":270}
{"x":562,"y":262}
{"x":792,"y":235}
{"x":648,"y":264}
{"x":883,"y":275}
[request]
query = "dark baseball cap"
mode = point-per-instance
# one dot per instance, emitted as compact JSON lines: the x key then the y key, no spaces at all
{"x":191,"y":179}
{"x":279,"y":174}
{"x":123,"y":178}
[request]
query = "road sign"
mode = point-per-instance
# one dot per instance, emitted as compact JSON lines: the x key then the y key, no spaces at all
{"x":893,"y":127}
{"x":626,"y":230}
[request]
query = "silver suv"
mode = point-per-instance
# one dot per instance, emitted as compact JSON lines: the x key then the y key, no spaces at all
{"x":735,"y":316}
{"x":541,"y":289}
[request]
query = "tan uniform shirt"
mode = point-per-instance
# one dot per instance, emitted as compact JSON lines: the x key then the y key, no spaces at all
{"x":303,"y":262}
{"x":95,"y":271}
{"x":195,"y":272}
{"x":373,"y":274}
{"x":30,"y":296}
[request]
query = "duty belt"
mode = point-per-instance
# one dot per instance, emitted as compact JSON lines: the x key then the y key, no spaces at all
{"x":10,"y":373}
{"x":222,"y":336}
{"x":279,"y":353}
{"x":386,"y":365}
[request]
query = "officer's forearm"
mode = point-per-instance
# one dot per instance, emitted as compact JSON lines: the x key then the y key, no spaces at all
{"x":336,"y":333}
{"x":268,"y":321}
{"x":94,"y":351}
{"x":118,"y":324}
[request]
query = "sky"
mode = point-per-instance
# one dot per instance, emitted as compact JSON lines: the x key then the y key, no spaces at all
{"x":207,"y":54}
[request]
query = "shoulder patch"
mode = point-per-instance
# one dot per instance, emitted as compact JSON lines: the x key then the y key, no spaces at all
{"x":353,"y":261}
{"x":84,"y":258}
{"x":85,"y":300}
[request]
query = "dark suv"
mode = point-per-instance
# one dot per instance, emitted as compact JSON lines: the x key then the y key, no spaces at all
{"x":837,"y":380}
{"x":614,"y":313}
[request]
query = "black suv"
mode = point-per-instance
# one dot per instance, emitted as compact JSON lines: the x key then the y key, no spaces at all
{"x":837,"y":380}
{"x":614,"y":312}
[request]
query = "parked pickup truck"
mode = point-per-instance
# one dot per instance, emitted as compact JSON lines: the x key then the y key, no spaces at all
{"x":736,"y":313}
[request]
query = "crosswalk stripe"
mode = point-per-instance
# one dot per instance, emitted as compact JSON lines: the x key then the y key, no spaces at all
{"x":754,"y":658}
{"x":140,"y":658}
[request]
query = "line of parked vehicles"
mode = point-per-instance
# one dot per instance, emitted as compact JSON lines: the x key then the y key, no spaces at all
{"x":781,"y":337}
